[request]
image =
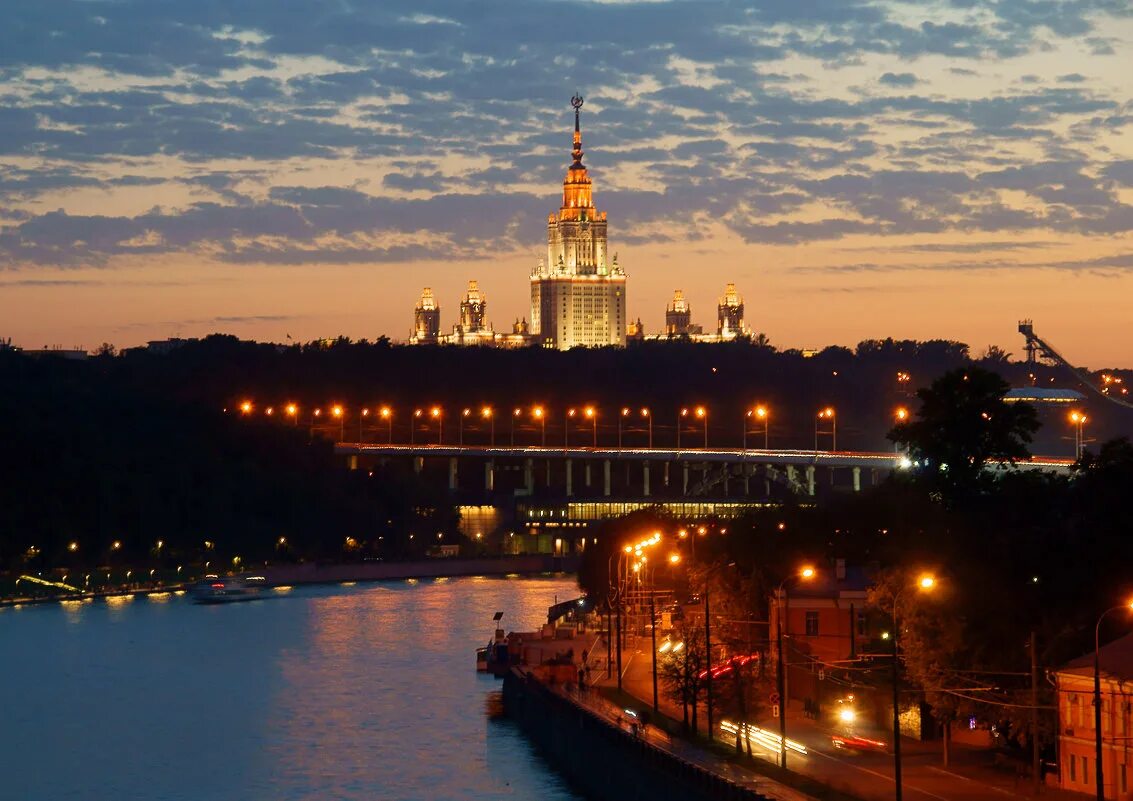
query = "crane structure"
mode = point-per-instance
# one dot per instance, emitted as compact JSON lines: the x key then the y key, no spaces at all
{"x":1037,"y":348}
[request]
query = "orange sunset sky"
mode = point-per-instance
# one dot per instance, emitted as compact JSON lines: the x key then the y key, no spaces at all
{"x":859,"y":170}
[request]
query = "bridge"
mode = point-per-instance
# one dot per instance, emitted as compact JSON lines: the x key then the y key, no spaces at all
{"x":726,"y":472}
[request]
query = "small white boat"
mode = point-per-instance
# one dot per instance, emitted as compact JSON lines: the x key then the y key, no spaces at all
{"x":226,"y":589}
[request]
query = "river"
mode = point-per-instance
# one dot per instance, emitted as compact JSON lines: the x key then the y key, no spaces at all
{"x":353,"y":692}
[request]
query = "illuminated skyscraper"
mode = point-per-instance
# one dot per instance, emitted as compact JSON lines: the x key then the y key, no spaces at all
{"x":426,"y":319}
{"x":578,"y":296}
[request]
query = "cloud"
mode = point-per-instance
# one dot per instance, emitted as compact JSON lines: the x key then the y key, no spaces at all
{"x":901,"y":79}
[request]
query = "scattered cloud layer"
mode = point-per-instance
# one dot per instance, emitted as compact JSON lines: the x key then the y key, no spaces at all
{"x":391,"y":131}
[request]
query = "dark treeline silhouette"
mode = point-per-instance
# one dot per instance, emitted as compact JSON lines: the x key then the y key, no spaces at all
{"x":143,"y":446}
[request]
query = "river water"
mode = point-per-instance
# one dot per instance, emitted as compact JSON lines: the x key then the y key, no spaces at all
{"x":351,"y":692}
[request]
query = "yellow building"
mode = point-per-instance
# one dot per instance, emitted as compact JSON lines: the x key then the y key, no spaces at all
{"x":578,"y":295}
{"x":1076,"y":732}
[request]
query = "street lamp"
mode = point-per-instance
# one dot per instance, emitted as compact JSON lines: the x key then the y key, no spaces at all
{"x":804,"y":574}
{"x":435,"y":413}
{"x":465,"y":413}
{"x":246,"y":407}
{"x":387,"y":414}
{"x":702,"y":414}
{"x":514,"y":416}
{"x":649,"y":424}
{"x":621,"y":419}
{"x":541,"y":416}
{"x":293,"y":412}
{"x":337,"y":412}
{"x":566,"y":428}
{"x":1099,"y":778}
{"x":591,"y":414}
{"x":486,"y":414}
{"x":826,"y":414}
{"x":925,"y":583}
{"x":417,"y":413}
{"x":760,"y":415}
{"x":362,"y":415}
{"x":1078,"y":419}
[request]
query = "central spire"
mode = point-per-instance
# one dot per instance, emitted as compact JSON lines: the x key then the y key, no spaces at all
{"x":576,"y":152}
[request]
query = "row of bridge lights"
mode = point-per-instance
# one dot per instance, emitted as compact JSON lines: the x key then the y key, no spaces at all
{"x":761,"y":415}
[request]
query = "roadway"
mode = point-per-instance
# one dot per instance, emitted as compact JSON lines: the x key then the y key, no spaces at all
{"x":886,"y":460}
{"x":868,"y":776}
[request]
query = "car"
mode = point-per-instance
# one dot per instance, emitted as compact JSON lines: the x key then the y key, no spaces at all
{"x":857,"y":743}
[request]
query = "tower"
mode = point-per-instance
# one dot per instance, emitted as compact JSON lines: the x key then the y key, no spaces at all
{"x":426,"y":319}
{"x":578,"y":297}
{"x":678,"y":315}
{"x":730,"y":314}
{"x":473,"y":310}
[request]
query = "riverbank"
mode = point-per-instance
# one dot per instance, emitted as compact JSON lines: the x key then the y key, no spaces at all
{"x":315,"y":573}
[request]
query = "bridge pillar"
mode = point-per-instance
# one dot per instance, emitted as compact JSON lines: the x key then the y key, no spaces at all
{"x":529,"y":476}
{"x":569,"y":470}
{"x":727,"y":477}
{"x":352,"y":461}
{"x":645,"y":479}
{"x":747,"y":481}
{"x":684,"y":479}
{"x":587,"y":474}
{"x":548,"y":482}
{"x":489,"y":476}
{"x":665,"y":474}
{"x":418,"y":464}
{"x":857,"y":479}
{"x":810,"y":480}
{"x":452,"y":473}
{"x":606,"y":478}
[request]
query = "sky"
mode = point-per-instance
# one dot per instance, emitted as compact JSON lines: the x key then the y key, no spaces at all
{"x":302,"y":168}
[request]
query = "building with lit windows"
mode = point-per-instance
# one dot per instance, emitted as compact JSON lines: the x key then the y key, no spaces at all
{"x":578,"y":294}
{"x":426,"y":319}
{"x":730,"y":315}
{"x":1077,"y":735}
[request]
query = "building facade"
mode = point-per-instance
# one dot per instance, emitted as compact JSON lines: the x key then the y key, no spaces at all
{"x":426,"y":320}
{"x":730,"y":315}
{"x":578,"y":294}
{"x":1077,"y":734}
{"x":678,"y":315}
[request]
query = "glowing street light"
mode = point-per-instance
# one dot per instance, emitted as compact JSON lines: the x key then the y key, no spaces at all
{"x":246,"y":407}
{"x":805,"y":573}
{"x":826,"y":414}
{"x":292,"y":411}
{"x":926,"y":582}
{"x":1078,"y":420}
{"x":541,"y":416}
{"x":486,"y":414}
{"x":338,"y":413}
{"x":761,"y":416}
{"x":515,"y":414}
{"x":436,"y":414}
{"x":386,"y":413}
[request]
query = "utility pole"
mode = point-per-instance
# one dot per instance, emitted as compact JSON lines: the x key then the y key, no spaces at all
{"x":619,"y":635}
{"x":708,"y":657}
{"x":653,"y":640}
{"x":609,"y":643}
{"x":1035,"y":778}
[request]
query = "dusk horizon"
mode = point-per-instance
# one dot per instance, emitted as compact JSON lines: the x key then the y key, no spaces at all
{"x":858,"y":170}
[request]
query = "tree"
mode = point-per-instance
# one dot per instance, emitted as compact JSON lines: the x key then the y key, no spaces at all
{"x":682,"y":667}
{"x":962,"y":425}
{"x":995,"y":355}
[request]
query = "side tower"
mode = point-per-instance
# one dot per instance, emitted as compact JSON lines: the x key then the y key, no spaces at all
{"x":730,"y":315}
{"x":426,"y":319}
{"x":578,"y":295}
{"x":678,"y":315}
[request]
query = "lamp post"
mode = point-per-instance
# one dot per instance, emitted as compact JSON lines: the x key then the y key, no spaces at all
{"x":387,"y":414}
{"x":466,"y":412}
{"x":293,"y":413}
{"x":826,"y":414}
{"x":804,"y":574}
{"x":413,"y":425}
{"x":649,"y":424}
{"x":1078,"y":419}
{"x":337,"y":411}
{"x":925,"y":583}
{"x":362,"y":415}
{"x":591,"y":414}
{"x":514,"y":416}
{"x":1099,"y":773}
{"x":702,"y":414}
{"x":436,"y":414}
{"x":486,"y":414}
{"x":539,"y":415}
{"x":566,"y":428}
{"x":621,"y":419}
{"x":760,"y":414}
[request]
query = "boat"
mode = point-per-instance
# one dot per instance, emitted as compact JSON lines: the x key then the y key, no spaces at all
{"x":227,"y":589}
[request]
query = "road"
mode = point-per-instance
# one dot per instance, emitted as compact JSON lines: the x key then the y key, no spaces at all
{"x":868,"y":776}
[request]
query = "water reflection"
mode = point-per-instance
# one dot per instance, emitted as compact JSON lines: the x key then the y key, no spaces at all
{"x":364,"y":692}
